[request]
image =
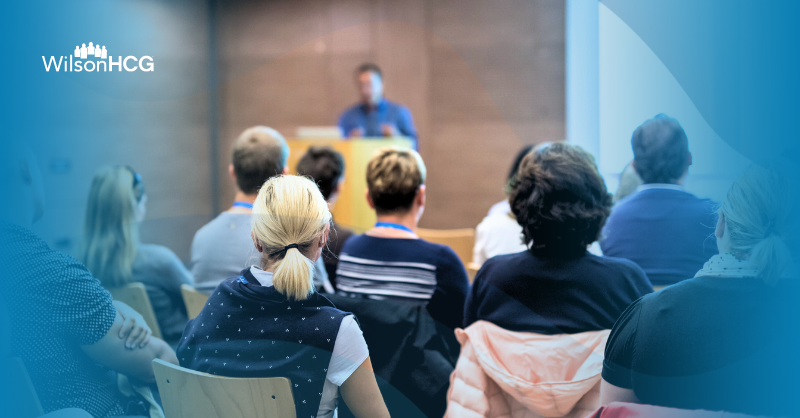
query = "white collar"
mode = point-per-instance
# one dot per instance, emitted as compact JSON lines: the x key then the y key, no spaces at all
{"x":666,"y":186}
{"x":264,"y":278}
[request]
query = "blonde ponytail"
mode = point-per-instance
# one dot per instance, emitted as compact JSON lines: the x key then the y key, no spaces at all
{"x":289,"y":217}
{"x":771,"y":256}
{"x":760,"y":213}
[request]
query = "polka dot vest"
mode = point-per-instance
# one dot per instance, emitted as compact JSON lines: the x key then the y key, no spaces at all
{"x":247,"y":330}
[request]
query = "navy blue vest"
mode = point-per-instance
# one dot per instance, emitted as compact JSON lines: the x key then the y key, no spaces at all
{"x":248,"y":330}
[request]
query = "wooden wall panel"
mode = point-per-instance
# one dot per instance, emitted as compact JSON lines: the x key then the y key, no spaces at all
{"x":481,"y":79}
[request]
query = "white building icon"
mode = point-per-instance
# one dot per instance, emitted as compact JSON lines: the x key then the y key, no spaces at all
{"x":91,"y":51}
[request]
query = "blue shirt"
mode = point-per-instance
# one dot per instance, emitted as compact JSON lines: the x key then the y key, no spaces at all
{"x":371,"y":119}
{"x":665,"y":230}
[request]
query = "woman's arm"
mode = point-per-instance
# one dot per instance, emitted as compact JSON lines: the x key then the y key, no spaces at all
{"x":610,"y":393}
{"x":361,"y":394}
{"x":111,"y":352}
{"x":134,"y":329}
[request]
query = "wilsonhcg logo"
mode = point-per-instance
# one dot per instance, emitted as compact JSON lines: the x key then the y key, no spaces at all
{"x":93,"y":58}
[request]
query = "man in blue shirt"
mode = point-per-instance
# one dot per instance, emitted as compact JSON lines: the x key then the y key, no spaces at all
{"x":667,"y":231}
{"x":375,"y":116}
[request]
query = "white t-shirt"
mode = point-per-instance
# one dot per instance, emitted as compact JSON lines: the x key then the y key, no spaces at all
{"x":349,"y":351}
{"x":497,"y":234}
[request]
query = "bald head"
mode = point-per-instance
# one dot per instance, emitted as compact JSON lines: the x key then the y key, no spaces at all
{"x":661,"y":150}
{"x":259,"y":153}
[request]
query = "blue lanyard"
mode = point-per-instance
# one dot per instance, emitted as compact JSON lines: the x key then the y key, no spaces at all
{"x":393,"y":226}
{"x":243,"y":205}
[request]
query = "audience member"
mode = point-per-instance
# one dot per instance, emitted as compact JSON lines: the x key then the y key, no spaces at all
{"x":63,"y":324}
{"x":629,"y":181}
{"x":727,"y":339}
{"x":556,"y":286}
{"x":375,"y":116}
{"x":325,"y":166}
{"x":499,"y":233}
{"x":661,"y":227}
{"x":269,"y":321}
{"x":112,"y":252}
{"x":503,"y":207}
{"x":390,"y":262}
{"x":222,"y":248}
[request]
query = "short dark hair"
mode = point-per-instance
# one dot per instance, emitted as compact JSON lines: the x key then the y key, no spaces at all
{"x":560,"y":200}
{"x":371,"y":68}
{"x":258,"y":154}
{"x":324,"y":165}
{"x":394,"y":177}
{"x":660,"y":150}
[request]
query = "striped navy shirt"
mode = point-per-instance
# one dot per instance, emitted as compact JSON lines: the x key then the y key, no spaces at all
{"x":408,"y":271}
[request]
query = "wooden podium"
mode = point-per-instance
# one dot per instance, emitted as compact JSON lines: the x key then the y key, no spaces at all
{"x":351,"y":209}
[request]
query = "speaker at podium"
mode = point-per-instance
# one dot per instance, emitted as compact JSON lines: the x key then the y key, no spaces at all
{"x":351,"y":208}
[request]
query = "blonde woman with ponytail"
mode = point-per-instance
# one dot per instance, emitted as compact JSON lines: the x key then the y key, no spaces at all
{"x":727,"y":339}
{"x":112,"y":252}
{"x":270,"y":322}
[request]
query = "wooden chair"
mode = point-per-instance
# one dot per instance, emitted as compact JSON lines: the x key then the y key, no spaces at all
{"x":461,"y":241}
{"x":135,"y":296}
{"x":194,"y":300}
{"x":189,"y":394}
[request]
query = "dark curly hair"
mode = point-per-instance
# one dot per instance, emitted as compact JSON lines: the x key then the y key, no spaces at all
{"x":560,"y":200}
{"x":325,"y":166}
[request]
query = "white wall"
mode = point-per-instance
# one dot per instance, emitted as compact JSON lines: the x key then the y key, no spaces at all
{"x":633,"y":86}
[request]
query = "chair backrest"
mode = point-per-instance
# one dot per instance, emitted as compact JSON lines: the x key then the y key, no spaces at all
{"x":461,"y":241}
{"x":19,"y":397}
{"x":193,"y":300}
{"x":189,"y":394}
{"x":135,"y":295}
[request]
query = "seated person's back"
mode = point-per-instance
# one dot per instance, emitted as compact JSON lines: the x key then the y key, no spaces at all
{"x":661,"y":227}
{"x":404,"y":270}
{"x":666,"y":231}
{"x":390,"y":261}
{"x":556,"y":286}
{"x":222,"y":248}
{"x":64,"y":326}
{"x":325,"y":166}
{"x":727,"y":339}
{"x":115,"y":209}
{"x":499,"y":233}
{"x":270,"y":322}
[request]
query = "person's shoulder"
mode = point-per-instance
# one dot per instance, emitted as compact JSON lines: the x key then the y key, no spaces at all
{"x":493,"y":220}
{"x":506,"y":264}
{"x":396,"y":105}
{"x":436,"y":249}
{"x":157,"y":251}
{"x":622,"y":265}
{"x":157,"y":256}
{"x":355,"y":241}
{"x":353,"y":109}
{"x":224,"y":224}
